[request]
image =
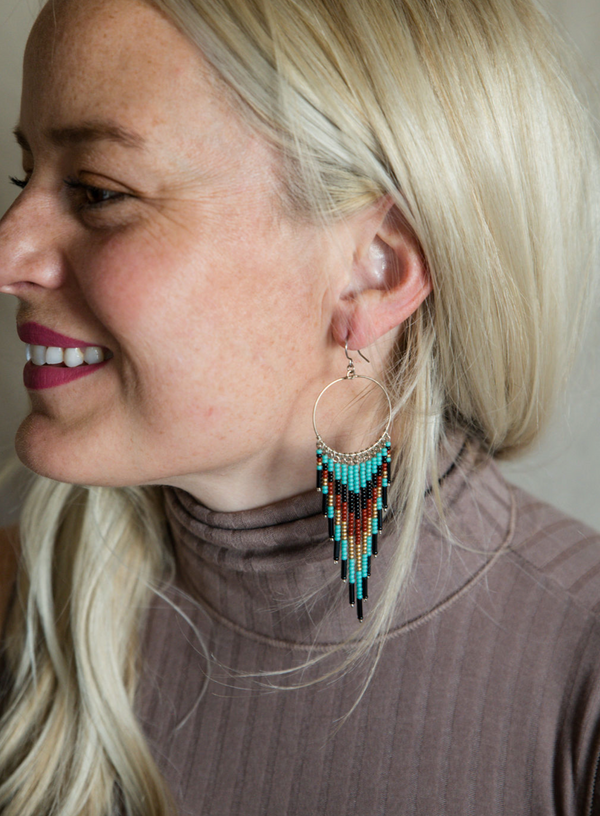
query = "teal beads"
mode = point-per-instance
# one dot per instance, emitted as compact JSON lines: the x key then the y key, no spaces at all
{"x":354,"y":488}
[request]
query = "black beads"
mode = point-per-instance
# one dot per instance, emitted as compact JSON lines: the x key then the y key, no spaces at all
{"x":355,"y":494}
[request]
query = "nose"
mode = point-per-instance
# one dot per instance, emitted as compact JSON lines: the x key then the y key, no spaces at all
{"x":30,"y":245}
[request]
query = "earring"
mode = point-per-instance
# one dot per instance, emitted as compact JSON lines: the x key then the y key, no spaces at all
{"x":355,"y":496}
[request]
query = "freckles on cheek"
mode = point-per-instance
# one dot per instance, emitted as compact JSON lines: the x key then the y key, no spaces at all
{"x":129,"y":288}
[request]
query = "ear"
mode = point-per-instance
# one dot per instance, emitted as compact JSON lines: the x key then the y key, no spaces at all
{"x":388,"y":279}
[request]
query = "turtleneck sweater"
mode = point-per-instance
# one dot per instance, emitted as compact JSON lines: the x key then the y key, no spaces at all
{"x":485,"y":699}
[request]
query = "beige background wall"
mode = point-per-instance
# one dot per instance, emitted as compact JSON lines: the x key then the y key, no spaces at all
{"x":566,"y":468}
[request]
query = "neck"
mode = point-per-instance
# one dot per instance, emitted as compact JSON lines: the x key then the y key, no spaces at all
{"x":257,"y":482}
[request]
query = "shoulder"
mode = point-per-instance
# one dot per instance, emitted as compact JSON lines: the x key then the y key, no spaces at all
{"x":558,"y":550}
{"x":535,"y":573}
{"x":530,"y":625}
{"x":557,"y":562}
{"x":9,"y":556}
{"x":554,"y":550}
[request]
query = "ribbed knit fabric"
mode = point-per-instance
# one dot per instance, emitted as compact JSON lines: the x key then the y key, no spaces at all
{"x":486,"y":699}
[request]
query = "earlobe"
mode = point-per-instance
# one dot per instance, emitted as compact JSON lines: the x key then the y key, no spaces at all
{"x":390,"y":280}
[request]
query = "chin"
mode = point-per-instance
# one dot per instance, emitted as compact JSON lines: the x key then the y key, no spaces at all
{"x":42,"y":448}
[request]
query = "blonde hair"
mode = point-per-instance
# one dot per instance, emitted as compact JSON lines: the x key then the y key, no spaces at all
{"x":460,"y":110}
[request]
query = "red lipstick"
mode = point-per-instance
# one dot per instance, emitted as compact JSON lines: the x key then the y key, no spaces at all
{"x":48,"y":376}
{"x":36,"y":377}
{"x":37,"y":335}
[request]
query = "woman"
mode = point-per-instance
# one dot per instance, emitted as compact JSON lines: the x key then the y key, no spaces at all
{"x":222,"y":204}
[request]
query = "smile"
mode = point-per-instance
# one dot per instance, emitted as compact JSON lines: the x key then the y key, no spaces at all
{"x":66,"y":357}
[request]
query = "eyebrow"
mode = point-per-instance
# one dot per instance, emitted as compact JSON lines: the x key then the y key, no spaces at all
{"x":86,"y":132}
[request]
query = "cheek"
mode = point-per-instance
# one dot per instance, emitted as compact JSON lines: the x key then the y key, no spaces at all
{"x":211,"y":301}
{"x":126,"y":283}
{"x":214,"y":345}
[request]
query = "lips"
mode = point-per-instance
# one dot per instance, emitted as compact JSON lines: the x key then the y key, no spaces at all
{"x":37,"y":335}
{"x":37,"y":378}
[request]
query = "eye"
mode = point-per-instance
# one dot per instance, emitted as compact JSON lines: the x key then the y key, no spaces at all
{"x":22,"y":183}
{"x":89,"y":196}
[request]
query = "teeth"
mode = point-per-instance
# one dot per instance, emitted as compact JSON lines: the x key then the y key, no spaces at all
{"x":71,"y":357}
{"x":54,"y":355}
{"x":93,"y":354}
{"x":38,"y":355}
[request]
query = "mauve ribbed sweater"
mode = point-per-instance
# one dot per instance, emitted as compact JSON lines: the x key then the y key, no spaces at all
{"x":486,"y":699}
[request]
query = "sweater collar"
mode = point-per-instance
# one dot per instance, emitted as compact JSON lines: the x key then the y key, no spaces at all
{"x":269,"y":572}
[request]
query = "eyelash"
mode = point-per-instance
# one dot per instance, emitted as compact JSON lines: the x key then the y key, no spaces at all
{"x":87,"y":190}
{"x":76,"y":186}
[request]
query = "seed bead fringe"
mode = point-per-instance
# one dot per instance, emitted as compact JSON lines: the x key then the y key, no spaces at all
{"x":355,"y":496}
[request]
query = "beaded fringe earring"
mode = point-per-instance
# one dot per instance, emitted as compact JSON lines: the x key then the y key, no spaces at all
{"x":355,"y":496}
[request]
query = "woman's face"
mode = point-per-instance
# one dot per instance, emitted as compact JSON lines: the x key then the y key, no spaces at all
{"x":151,"y":225}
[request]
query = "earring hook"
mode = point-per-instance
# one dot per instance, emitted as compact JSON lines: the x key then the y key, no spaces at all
{"x":351,"y":372}
{"x":358,"y":351}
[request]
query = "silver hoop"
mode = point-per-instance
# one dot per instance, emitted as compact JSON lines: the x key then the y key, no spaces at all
{"x":354,"y":487}
{"x":356,"y":457}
